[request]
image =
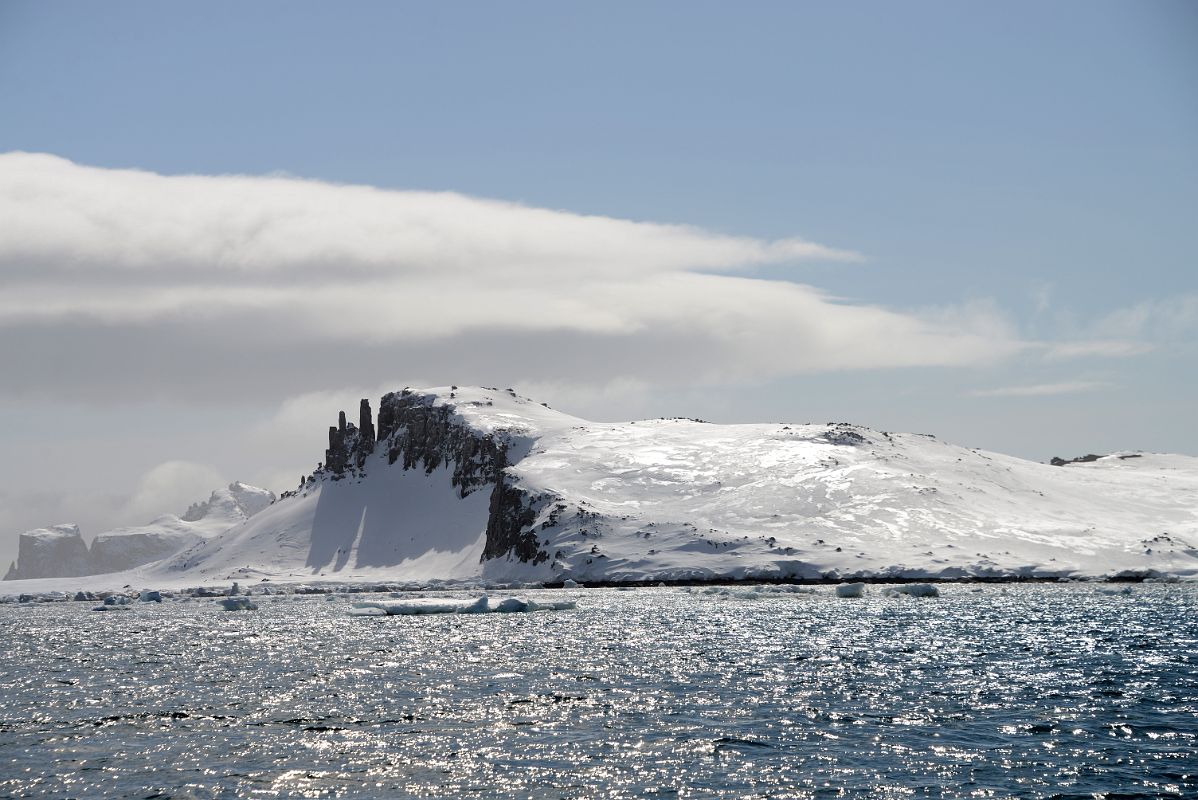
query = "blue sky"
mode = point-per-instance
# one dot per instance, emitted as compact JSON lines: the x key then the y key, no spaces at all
{"x":966,"y":148}
{"x":1031,"y":165}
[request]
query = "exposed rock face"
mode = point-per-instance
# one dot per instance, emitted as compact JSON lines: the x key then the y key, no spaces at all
{"x":365,"y":425}
{"x":349,"y":445}
{"x":416,"y":433}
{"x":421,"y":434}
{"x":843,"y":434}
{"x":1086,"y":459}
{"x":510,"y":523}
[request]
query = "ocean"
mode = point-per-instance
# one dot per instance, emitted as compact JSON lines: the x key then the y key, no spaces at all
{"x":1021,"y":690}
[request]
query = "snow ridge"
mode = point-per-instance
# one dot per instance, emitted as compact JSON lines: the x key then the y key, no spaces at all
{"x":475,"y":482}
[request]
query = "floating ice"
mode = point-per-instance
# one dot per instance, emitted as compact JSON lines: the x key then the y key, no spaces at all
{"x":116,"y":602}
{"x":436,"y":605}
{"x":150,"y":596}
{"x":914,"y":590}
{"x":850,"y":590}
{"x":749,"y":593}
{"x":237,"y":604}
{"x":570,"y":583}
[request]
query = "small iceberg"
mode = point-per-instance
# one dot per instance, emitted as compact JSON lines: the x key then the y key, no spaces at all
{"x":436,"y":605}
{"x":850,"y":590}
{"x":570,"y":583}
{"x":116,"y":602}
{"x":914,"y":590}
{"x":240,"y":603}
{"x":150,"y":596}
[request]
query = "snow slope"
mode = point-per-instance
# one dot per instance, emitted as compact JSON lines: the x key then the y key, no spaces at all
{"x":61,"y":552}
{"x":395,"y":523}
{"x":561,"y":497}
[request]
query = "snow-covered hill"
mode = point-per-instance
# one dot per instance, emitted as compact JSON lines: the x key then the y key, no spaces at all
{"x":60,"y":551}
{"x":482,"y":483}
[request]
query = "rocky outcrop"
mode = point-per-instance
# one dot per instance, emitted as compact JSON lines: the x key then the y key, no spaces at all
{"x":349,"y":445}
{"x":1091,"y":457}
{"x":1086,"y":459}
{"x":512,"y":515}
{"x":417,"y":433}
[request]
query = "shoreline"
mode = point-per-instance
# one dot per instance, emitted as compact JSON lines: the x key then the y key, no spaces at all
{"x":270,"y":587}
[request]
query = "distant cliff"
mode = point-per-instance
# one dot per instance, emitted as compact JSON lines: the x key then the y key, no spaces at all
{"x":61,"y":552}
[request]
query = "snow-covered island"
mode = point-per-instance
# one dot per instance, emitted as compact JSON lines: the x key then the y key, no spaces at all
{"x":478,"y":484}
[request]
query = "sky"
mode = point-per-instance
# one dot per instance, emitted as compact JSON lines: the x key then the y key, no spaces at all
{"x":222,"y":222}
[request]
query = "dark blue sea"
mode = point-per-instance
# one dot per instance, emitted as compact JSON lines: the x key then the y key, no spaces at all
{"x":1036,"y":691}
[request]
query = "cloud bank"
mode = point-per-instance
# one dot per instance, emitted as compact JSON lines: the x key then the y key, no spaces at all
{"x":166,"y":284}
{"x":1042,"y":389}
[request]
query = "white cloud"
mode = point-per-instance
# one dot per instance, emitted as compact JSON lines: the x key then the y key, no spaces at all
{"x":67,"y":217}
{"x":1166,"y":319}
{"x":1042,"y":389}
{"x":170,"y":488}
{"x":283,"y":261}
{"x":1103,"y":348}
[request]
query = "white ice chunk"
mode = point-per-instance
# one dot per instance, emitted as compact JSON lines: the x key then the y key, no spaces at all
{"x":570,"y":583}
{"x":150,"y":596}
{"x":850,"y":590}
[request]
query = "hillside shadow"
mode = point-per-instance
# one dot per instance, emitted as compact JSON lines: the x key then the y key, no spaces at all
{"x":398,"y":515}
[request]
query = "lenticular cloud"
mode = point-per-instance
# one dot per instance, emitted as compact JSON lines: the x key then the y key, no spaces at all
{"x":300,"y":261}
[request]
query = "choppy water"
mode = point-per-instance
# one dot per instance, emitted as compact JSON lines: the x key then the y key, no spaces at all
{"x":1024,"y":691}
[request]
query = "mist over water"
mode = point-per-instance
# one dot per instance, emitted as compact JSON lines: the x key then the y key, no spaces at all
{"x":988,"y":691}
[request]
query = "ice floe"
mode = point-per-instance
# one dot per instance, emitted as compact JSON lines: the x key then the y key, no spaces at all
{"x":116,"y":602}
{"x":438,"y":605}
{"x":850,"y":590}
{"x":914,"y":590}
{"x":755,"y":592}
